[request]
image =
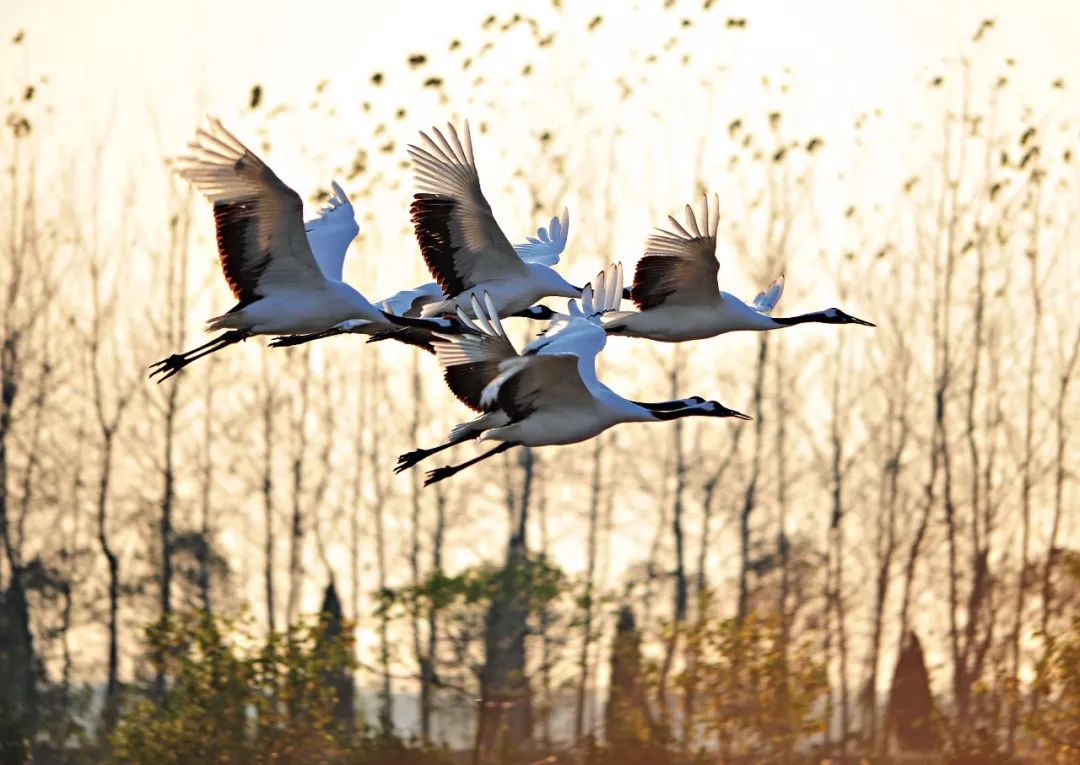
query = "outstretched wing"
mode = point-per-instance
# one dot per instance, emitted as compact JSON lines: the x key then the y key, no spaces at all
{"x":260,"y":225}
{"x":680,"y":266}
{"x":472,"y":360}
{"x":531,"y":382}
{"x":582,"y":326}
{"x":548,"y":244}
{"x":410,"y":302}
{"x":607,"y":295}
{"x":767,"y":300}
{"x":332,"y":232}
{"x":459,"y":238}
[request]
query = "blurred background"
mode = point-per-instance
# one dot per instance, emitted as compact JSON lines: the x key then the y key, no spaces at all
{"x":883,"y":564}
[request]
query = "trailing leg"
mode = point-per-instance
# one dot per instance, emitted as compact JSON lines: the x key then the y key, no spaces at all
{"x":407,"y":460}
{"x":438,"y":474}
{"x":288,"y":341}
{"x":167,"y":367}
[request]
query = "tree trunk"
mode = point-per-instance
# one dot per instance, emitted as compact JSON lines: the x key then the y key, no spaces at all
{"x":269,"y":403}
{"x":112,"y":681}
{"x":429,"y":669}
{"x":175,"y":304}
{"x":886,"y":549}
{"x":1027,"y":473}
{"x":206,"y":546}
{"x":836,"y":542}
{"x":587,"y":598}
{"x":505,"y":719}
{"x":750,"y":495}
{"x":296,"y":527}
{"x":386,"y":700}
{"x":165,"y":526}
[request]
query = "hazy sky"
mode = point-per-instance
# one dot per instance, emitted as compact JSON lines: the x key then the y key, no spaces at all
{"x":151,"y":70}
{"x":177,"y":60}
{"x":852,"y":52}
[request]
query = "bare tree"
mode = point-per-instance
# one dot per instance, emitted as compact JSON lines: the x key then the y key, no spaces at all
{"x":299,"y":442}
{"x":1067,"y":365}
{"x":109,"y":410}
{"x":590,"y":584}
{"x":379,"y":501}
{"x":171,"y":332}
{"x":750,"y":492}
{"x":269,"y":407}
{"x":1033,"y":203}
{"x":207,"y":477}
{"x":27,"y":290}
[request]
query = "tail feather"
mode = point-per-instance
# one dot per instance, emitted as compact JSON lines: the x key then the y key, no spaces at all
{"x":233,"y":319}
{"x":464,"y":431}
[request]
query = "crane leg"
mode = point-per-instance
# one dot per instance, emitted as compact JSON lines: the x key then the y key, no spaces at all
{"x":407,"y":460}
{"x":287,"y":341}
{"x":438,"y":474}
{"x":169,"y":366}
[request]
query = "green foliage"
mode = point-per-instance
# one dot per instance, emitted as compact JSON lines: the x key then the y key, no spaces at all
{"x":234,"y":697}
{"x":758,"y":697}
{"x":14,"y":745}
{"x":534,"y":579}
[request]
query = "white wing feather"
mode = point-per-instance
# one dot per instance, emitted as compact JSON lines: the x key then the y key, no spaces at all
{"x":508,"y":369}
{"x":548,"y":244}
{"x":400,"y":303}
{"x":331,"y":233}
{"x":767,"y":300}
{"x":583,"y":315}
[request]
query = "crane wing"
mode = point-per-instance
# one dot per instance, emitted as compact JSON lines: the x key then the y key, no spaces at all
{"x":531,"y":382}
{"x":767,"y":300}
{"x":330,"y":234}
{"x":548,"y":244}
{"x":471,"y":361}
{"x":410,"y":302}
{"x":581,"y":327}
{"x":459,"y":237}
{"x":680,"y":266}
{"x":259,"y":220}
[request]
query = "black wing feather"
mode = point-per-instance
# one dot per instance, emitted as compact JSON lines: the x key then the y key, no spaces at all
{"x":652,"y":282}
{"x":467,"y":382}
{"x":234,"y":222}
{"x":431,"y":217}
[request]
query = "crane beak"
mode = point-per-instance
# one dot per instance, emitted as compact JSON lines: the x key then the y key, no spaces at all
{"x":863,"y":323}
{"x":723,"y":411}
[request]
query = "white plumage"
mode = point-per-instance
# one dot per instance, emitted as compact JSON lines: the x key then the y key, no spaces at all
{"x":327,"y":237}
{"x":264,"y":250}
{"x":464,"y":248}
{"x":330,"y":234}
{"x":677,"y":296}
{"x":548,"y":244}
{"x":549,"y":394}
